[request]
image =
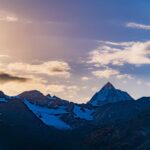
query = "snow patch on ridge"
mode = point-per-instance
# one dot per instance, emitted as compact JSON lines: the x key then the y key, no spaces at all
{"x":3,"y":100}
{"x":50,"y":117}
{"x":83,"y":113}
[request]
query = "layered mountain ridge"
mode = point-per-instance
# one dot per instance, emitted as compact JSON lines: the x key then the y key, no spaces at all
{"x":103,"y":116}
{"x":62,"y":114}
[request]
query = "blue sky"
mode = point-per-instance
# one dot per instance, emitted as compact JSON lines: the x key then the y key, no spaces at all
{"x":71,"y":48}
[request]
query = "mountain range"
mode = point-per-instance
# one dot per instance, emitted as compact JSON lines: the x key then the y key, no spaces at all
{"x":111,"y":120}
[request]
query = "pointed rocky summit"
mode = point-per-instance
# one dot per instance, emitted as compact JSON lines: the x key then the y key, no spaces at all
{"x":109,"y":94}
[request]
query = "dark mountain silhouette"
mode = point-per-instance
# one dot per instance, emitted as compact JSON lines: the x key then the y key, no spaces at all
{"x":111,"y":120}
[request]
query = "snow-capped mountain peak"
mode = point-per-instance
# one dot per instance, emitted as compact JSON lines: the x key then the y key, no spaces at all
{"x":109,"y":94}
{"x":108,"y":85}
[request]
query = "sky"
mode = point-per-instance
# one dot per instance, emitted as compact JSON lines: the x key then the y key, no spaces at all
{"x":72,"y":48}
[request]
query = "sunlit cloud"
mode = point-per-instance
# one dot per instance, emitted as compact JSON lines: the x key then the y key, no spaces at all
{"x":5,"y":77}
{"x":125,"y":76}
{"x":64,"y":91}
{"x":136,"y":53}
{"x":107,"y":73}
{"x":137,"y":26}
{"x":139,"y":82}
{"x":85,"y":78}
{"x":13,"y":84}
{"x":4,"y":56}
{"x":9,"y":17}
{"x":50,"y":68}
{"x":15,"y":88}
{"x":148,"y":84}
{"x":19,"y":77}
{"x":57,"y":88}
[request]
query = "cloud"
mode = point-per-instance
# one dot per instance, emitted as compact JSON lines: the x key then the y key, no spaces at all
{"x":139,"y":82}
{"x":58,"y":88}
{"x":67,"y":91}
{"x":14,"y":88}
{"x":5,"y":77}
{"x":148,"y":84}
{"x":19,"y":77}
{"x":120,"y":53}
{"x":137,"y":26}
{"x":107,"y":73}
{"x":51,"y":68}
{"x":4,"y":56}
{"x":85,"y":78}
{"x":9,"y":17}
{"x":123,"y":76}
